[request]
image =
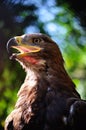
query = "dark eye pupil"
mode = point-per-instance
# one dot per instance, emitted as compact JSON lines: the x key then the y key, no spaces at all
{"x":36,"y":40}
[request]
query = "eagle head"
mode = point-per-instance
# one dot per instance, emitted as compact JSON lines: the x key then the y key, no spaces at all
{"x":35,"y":51}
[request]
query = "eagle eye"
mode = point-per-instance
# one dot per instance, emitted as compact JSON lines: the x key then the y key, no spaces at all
{"x":36,"y":40}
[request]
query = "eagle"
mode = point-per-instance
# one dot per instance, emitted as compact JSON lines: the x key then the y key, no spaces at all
{"x":47,"y":100}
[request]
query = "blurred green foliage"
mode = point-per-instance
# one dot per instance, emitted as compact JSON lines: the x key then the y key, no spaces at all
{"x":57,"y":18}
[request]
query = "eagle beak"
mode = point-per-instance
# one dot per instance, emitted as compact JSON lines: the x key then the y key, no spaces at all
{"x":24,"y":49}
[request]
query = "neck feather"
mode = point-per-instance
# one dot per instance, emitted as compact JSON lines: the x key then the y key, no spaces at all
{"x":27,"y":87}
{"x":41,"y":79}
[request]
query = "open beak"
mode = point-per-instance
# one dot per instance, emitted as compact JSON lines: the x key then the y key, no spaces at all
{"x":23,"y":49}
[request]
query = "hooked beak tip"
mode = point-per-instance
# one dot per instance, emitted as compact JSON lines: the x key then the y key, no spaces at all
{"x":10,"y":43}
